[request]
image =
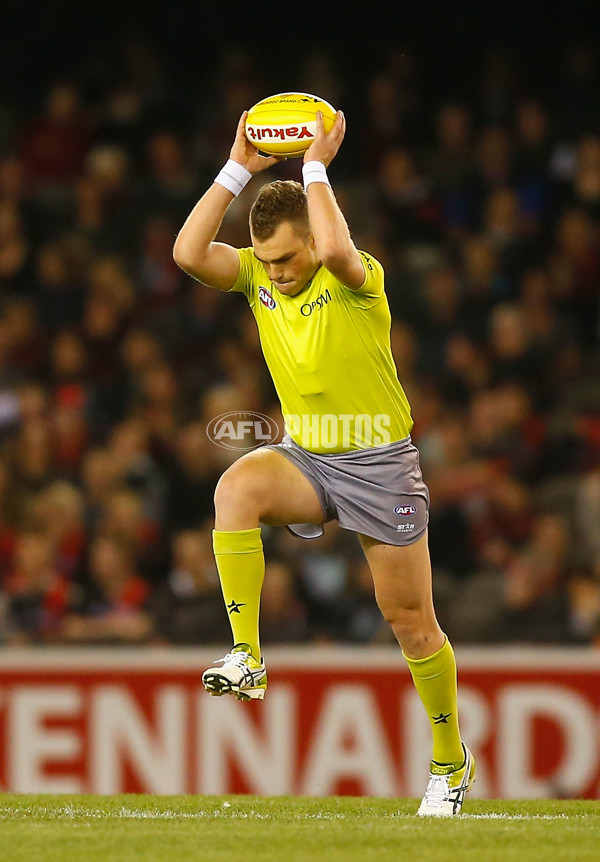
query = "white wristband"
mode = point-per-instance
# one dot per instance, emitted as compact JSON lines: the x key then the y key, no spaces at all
{"x":233,"y":177}
{"x":314,"y":172}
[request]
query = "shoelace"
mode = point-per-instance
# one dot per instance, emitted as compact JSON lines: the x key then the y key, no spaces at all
{"x":237,"y":658}
{"x":437,"y":790}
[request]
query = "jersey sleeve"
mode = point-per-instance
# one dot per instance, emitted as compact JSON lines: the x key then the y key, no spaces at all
{"x":246,"y":280}
{"x":372,"y":289}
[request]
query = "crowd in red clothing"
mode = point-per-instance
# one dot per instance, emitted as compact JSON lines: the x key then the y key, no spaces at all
{"x":484,"y":208}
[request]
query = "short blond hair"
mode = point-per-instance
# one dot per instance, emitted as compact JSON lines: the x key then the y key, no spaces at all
{"x":278,"y":202}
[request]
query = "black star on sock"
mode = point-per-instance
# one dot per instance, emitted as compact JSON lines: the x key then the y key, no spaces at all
{"x":441,"y":718}
{"x":234,"y":607}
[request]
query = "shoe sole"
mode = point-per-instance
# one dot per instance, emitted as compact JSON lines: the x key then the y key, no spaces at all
{"x":218,"y":685}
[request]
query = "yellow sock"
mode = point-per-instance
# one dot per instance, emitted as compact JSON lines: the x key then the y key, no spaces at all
{"x":435,"y":680}
{"x":241,"y":566}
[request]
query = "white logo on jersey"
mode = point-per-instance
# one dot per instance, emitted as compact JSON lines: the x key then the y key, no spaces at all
{"x":266,"y":297}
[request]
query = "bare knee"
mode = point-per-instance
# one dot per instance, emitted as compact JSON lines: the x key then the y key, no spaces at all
{"x":240,"y":496}
{"x":416,"y":630}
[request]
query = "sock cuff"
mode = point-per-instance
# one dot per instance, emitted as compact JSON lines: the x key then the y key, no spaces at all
{"x":237,"y":541}
{"x":432,"y":665}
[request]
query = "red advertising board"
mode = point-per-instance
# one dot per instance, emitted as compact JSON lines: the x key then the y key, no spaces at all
{"x":334,"y":721}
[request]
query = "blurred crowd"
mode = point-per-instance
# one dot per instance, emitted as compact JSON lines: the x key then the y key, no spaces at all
{"x":483,"y":204}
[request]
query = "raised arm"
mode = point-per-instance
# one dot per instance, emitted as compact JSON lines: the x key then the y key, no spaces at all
{"x":196,"y":251}
{"x":334,"y":244}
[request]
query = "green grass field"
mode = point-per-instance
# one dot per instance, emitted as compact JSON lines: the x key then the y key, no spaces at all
{"x":285,"y":829}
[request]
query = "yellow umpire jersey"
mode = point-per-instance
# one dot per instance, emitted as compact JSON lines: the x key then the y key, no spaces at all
{"x":329,"y":355}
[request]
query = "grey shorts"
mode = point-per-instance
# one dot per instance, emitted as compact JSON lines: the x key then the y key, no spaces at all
{"x":378,"y":492}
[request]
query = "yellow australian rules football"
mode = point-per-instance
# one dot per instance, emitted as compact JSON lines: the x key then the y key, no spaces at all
{"x":286,"y":124}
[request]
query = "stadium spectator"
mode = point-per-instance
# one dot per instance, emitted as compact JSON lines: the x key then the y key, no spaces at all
{"x":38,"y":595}
{"x":282,"y":614}
{"x":54,"y":143}
{"x":112,"y":609}
{"x":187,"y":605}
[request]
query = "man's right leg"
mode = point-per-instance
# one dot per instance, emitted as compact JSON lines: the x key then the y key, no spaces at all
{"x":262,"y":487}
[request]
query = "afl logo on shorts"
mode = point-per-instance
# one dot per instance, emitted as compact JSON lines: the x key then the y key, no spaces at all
{"x":266,"y":297}
{"x":405,"y":510}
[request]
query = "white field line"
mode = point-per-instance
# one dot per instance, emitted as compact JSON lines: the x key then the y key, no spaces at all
{"x":501,"y":816}
{"x":71,"y":812}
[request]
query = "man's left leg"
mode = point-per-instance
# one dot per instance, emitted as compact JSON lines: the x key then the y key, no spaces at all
{"x":402,"y":579}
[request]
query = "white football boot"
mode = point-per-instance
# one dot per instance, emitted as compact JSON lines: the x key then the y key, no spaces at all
{"x":446,"y":790}
{"x":239,"y":673}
